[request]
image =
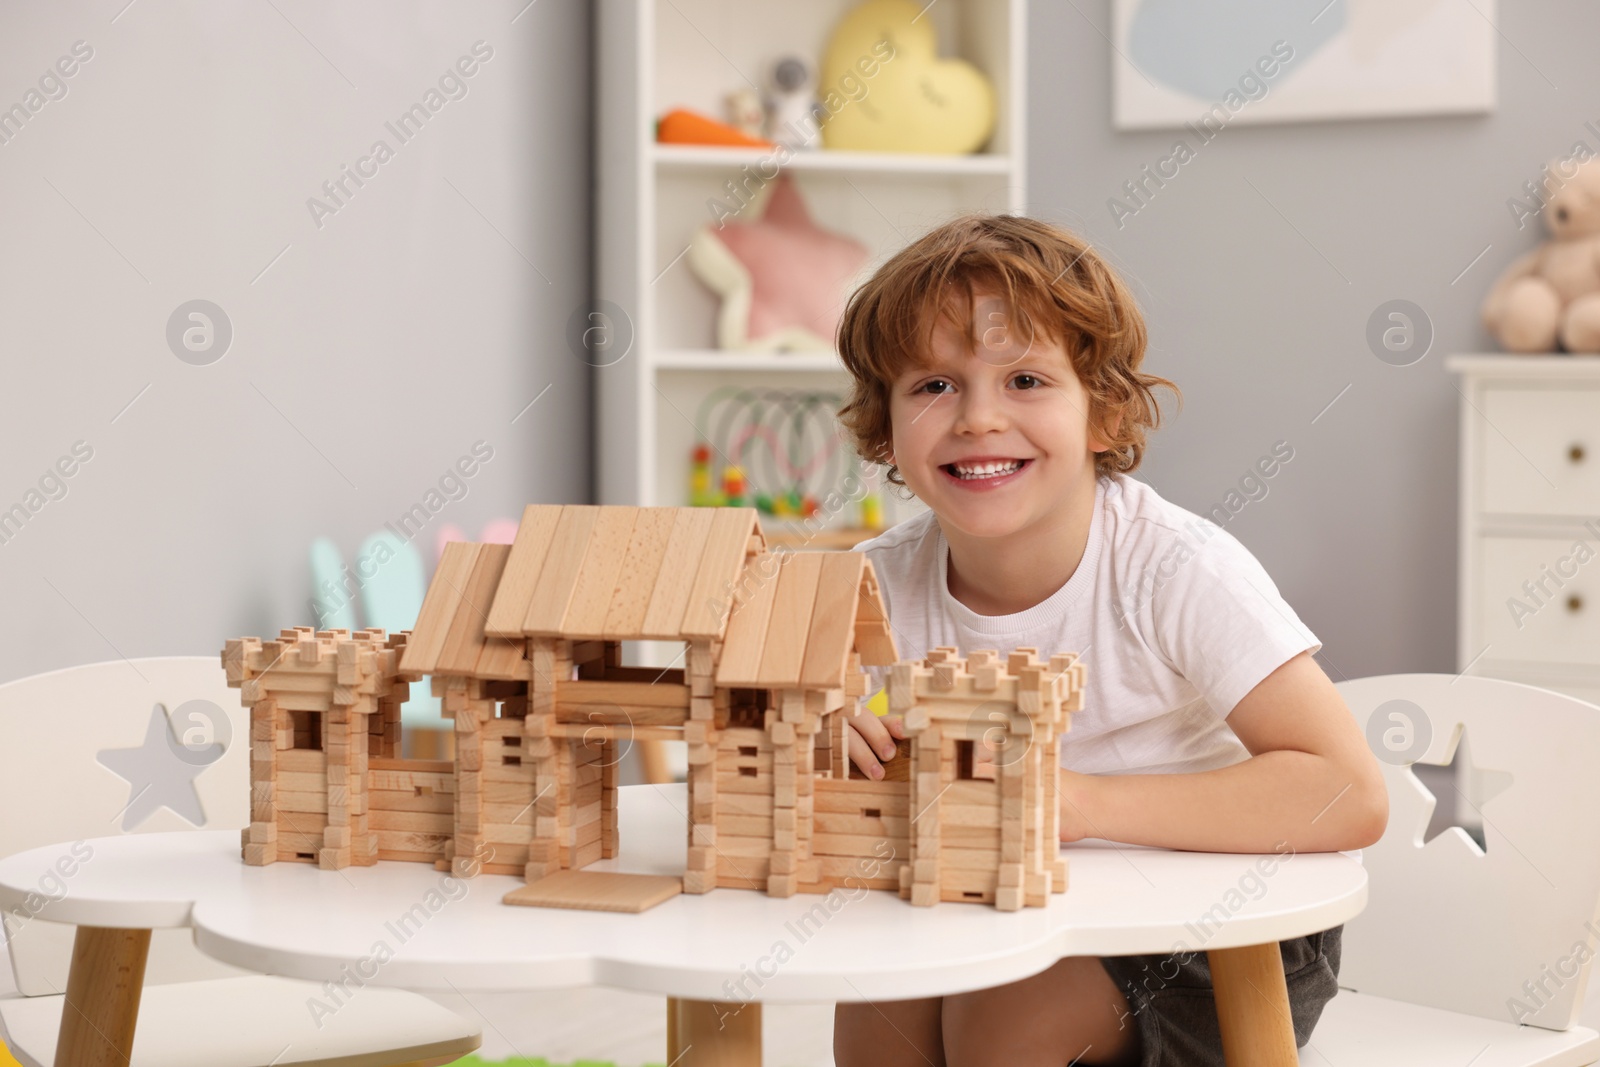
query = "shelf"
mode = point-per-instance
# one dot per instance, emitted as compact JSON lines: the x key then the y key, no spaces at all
{"x":1501,"y":364}
{"x":715,"y":359}
{"x":715,"y":157}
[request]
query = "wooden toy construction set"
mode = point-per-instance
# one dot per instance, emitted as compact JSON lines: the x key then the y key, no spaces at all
{"x":523,"y":642}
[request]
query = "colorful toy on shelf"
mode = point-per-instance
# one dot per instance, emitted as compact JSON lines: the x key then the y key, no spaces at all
{"x":918,"y":102}
{"x":682,"y":126}
{"x":542,"y":707}
{"x":792,"y":104}
{"x":733,"y":487}
{"x":700,"y":494}
{"x":782,"y":278}
{"x":745,"y":112}
{"x":789,"y":440}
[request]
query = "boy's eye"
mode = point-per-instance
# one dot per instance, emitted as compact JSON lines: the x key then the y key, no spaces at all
{"x":1026,"y":381}
{"x":935,"y":387}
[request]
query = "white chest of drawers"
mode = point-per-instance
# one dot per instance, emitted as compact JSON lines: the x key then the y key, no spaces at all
{"x":1530,"y":520}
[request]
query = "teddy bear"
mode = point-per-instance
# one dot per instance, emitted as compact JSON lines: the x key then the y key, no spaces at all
{"x":1552,"y":294}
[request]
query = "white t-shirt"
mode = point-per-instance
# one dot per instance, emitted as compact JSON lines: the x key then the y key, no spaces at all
{"x":1175,"y":620}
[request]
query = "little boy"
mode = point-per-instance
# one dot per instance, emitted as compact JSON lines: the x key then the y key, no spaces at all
{"x":996,"y":376}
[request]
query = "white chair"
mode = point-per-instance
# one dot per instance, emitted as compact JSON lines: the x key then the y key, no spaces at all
{"x":1434,"y":969}
{"x":194,"y":1010}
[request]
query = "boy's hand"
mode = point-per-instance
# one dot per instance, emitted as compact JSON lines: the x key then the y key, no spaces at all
{"x":871,"y":740}
{"x":1075,"y":825}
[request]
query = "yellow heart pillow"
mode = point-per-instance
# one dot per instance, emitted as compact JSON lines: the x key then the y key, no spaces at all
{"x":912,"y":102}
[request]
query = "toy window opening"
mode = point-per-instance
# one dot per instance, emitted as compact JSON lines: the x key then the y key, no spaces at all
{"x":748,"y":707}
{"x":307,"y":729}
{"x":973,"y":764}
{"x":510,"y":698}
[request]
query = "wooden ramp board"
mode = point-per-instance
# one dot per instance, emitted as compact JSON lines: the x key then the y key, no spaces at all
{"x":596,"y":891}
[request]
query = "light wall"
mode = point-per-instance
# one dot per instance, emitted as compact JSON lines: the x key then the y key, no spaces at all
{"x":1258,"y":267}
{"x":372,"y":347}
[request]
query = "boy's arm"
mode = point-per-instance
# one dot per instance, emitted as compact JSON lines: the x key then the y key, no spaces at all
{"x":1310,"y":782}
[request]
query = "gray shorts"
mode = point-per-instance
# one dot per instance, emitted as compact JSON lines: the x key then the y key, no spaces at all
{"x":1171,"y":1002}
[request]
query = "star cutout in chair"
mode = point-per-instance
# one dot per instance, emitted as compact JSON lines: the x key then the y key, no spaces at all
{"x":1471,"y":787}
{"x":161,"y":771}
{"x":782,"y":278}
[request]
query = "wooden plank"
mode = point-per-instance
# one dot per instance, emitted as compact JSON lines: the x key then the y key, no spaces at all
{"x":390,"y":841}
{"x":647,"y":547}
{"x":739,"y":847}
{"x":523,"y":568}
{"x":886,"y":804}
{"x":747,"y":628}
{"x":465,"y":642}
{"x":552,"y":596}
{"x":839,"y":822}
{"x":622,"y":694}
{"x":439,"y":607}
{"x":721,"y":561}
{"x":874,"y":635}
{"x":412,"y":766}
{"x":670,"y":597}
{"x":398,"y":800}
{"x":833,"y":618}
{"x":602,"y":568}
{"x":416,"y":821}
{"x":785,"y":647}
{"x":303,"y":760}
{"x":597,"y":891}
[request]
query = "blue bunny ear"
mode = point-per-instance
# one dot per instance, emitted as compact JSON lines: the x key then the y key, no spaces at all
{"x":332,"y":599}
{"x":393,"y":582}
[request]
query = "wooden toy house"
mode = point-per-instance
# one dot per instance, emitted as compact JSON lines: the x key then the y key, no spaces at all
{"x":524,"y":644}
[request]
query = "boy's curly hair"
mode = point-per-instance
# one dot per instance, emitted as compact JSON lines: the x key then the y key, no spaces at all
{"x":1052,"y":278}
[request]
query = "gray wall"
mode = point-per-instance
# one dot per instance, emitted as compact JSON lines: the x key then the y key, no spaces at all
{"x":369,"y":356}
{"x":1261,"y":332}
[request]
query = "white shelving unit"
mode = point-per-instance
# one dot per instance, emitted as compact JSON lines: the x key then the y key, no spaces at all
{"x":656,"y":55}
{"x":1529,"y":606}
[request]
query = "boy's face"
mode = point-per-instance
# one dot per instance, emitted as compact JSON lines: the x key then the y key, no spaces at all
{"x":994,"y":435}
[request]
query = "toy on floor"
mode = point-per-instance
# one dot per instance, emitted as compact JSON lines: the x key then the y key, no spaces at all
{"x":524,"y":644}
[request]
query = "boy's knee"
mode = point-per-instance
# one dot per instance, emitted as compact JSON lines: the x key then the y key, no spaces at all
{"x":888,"y":1033}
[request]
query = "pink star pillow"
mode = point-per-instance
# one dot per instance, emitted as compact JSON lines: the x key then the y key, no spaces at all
{"x":782,"y":278}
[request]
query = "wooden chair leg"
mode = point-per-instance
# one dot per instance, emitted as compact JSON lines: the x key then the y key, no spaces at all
{"x":708,"y":1033}
{"x":1253,"y":1006}
{"x":102,"y":1002}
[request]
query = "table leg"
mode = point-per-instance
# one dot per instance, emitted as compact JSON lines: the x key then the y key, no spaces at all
{"x":710,"y":1033}
{"x":1253,"y":1006}
{"x":102,"y":1002}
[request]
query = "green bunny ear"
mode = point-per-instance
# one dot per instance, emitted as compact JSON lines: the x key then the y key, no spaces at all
{"x":393,"y":583}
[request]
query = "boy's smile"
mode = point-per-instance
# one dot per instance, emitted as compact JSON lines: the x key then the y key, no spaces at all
{"x":993,"y":434}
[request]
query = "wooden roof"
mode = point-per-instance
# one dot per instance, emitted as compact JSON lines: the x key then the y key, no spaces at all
{"x":449,"y":637}
{"x":584,"y":572}
{"x":798,"y":617}
{"x":581,"y":572}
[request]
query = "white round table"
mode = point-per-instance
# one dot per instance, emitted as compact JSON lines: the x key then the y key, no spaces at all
{"x":408,"y":925}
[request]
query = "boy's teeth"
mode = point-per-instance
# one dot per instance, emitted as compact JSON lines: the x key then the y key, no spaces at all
{"x":986,"y":470}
